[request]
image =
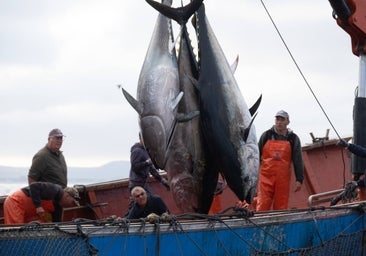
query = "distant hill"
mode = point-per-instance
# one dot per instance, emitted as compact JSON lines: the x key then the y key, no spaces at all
{"x":76,"y":175}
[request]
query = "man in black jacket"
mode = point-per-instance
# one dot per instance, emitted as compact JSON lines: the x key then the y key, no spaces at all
{"x":145,"y":204}
{"x":142,"y":167}
{"x":32,"y":203}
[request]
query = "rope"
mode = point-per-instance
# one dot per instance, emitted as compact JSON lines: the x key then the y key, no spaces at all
{"x":298,"y":68}
{"x":219,"y":240}
{"x":177,"y":226}
{"x":317,"y":228}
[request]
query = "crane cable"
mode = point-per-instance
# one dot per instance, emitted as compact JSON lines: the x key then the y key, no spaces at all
{"x":298,"y":68}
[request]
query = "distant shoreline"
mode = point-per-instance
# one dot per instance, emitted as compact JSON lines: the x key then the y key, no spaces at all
{"x":13,"y":178}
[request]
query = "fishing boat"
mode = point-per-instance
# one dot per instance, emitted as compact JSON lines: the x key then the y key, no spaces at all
{"x":321,"y":219}
{"x":310,"y":227}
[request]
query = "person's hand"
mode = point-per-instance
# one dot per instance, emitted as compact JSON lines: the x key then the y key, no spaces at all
{"x":40,"y":211}
{"x":298,"y":186}
{"x":152,"y":218}
{"x":165,"y":183}
{"x":342,"y":143}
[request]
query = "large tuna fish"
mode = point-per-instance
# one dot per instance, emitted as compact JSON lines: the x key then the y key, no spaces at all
{"x":186,"y":162}
{"x":226,"y":119}
{"x":158,"y":91}
{"x":230,"y":137}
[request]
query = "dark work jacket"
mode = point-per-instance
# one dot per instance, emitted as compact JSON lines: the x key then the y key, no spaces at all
{"x":154,"y":205}
{"x":140,"y":170}
{"x":39,"y":191}
{"x":357,"y":150}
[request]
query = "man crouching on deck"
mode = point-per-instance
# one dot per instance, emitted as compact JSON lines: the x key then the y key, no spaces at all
{"x":28,"y":204}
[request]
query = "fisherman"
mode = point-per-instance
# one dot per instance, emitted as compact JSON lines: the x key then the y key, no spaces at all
{"x":145,"y":204}
{"x":34,"y":203}
{"x":278,"y":147}
{"x":49,"y":165}
{"x":141,"y":167}
{"x":358,"y":151}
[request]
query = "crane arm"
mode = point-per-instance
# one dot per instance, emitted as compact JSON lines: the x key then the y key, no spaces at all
{"x":351,"y":17}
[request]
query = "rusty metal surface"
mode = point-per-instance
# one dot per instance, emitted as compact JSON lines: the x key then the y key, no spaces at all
{"x":327,"y":168}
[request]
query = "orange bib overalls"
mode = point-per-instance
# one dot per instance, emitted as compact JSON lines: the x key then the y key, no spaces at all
{"x":274,"y":175}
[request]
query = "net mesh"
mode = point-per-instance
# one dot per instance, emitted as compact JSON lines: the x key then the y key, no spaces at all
{"x":43,"y":240}
{"x":343,"y":244}
{"x":53,"y":241}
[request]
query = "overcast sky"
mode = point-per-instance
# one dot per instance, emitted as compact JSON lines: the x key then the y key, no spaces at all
{"x":60,"y":62}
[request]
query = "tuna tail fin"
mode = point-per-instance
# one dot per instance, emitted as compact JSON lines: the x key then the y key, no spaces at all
{"x":247,"y":130}
{"x":133,"y":102}
{"x":255,"y":106}
{"x":180,"y":14}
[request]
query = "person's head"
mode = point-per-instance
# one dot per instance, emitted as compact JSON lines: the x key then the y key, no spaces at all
{"x":70,"y":197}
{"x":55,"y":139}
{"x":282,"y":119}
{"x":139,"y":196}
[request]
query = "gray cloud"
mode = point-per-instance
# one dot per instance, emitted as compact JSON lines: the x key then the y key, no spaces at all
{"x":60,"y":64}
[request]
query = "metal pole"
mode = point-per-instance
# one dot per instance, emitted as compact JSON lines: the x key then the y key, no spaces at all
{"x":359,"y":118}
{"x":362,"y":77}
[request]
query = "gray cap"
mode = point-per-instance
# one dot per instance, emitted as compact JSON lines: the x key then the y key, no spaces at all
{"x":282,"y":113}
{"x":55,"y":133}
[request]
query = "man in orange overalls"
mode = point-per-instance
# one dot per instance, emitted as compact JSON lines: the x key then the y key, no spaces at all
{"x":279,"y":147}
{"x":34,"y":203}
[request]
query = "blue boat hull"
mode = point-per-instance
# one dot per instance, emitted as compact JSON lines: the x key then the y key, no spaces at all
{"x":324,"y":231}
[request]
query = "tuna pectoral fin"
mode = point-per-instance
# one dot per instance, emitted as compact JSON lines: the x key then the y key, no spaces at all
{"x":181,"y":118}
{"x":134,"y":103}
{"x":235,"y":64}
{"x":255,"y":107}
{"x":176,"y":100}
{"x":245,"y":132}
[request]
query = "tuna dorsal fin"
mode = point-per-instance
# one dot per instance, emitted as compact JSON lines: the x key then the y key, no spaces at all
{"x":133,"y":102}
{"x":235,"y":64}
{"x":247,"y":130}
{"x":255,"y":106}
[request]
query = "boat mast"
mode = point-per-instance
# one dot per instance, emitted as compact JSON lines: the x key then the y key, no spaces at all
{"x":351,"y":17}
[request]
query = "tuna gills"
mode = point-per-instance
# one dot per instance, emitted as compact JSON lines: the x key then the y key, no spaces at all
{"x":158,"y":91}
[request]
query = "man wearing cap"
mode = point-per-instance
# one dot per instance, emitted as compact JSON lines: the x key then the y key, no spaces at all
{"x":278,"y":147}
{"x":32,"y":203}
{"x":49,"y":165}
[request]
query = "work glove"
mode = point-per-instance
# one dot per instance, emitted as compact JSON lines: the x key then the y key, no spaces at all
{"x":165,"y":217}
{"x":165,"y":183}
{"x":153,"y":218}
{"x":342,"y":143}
